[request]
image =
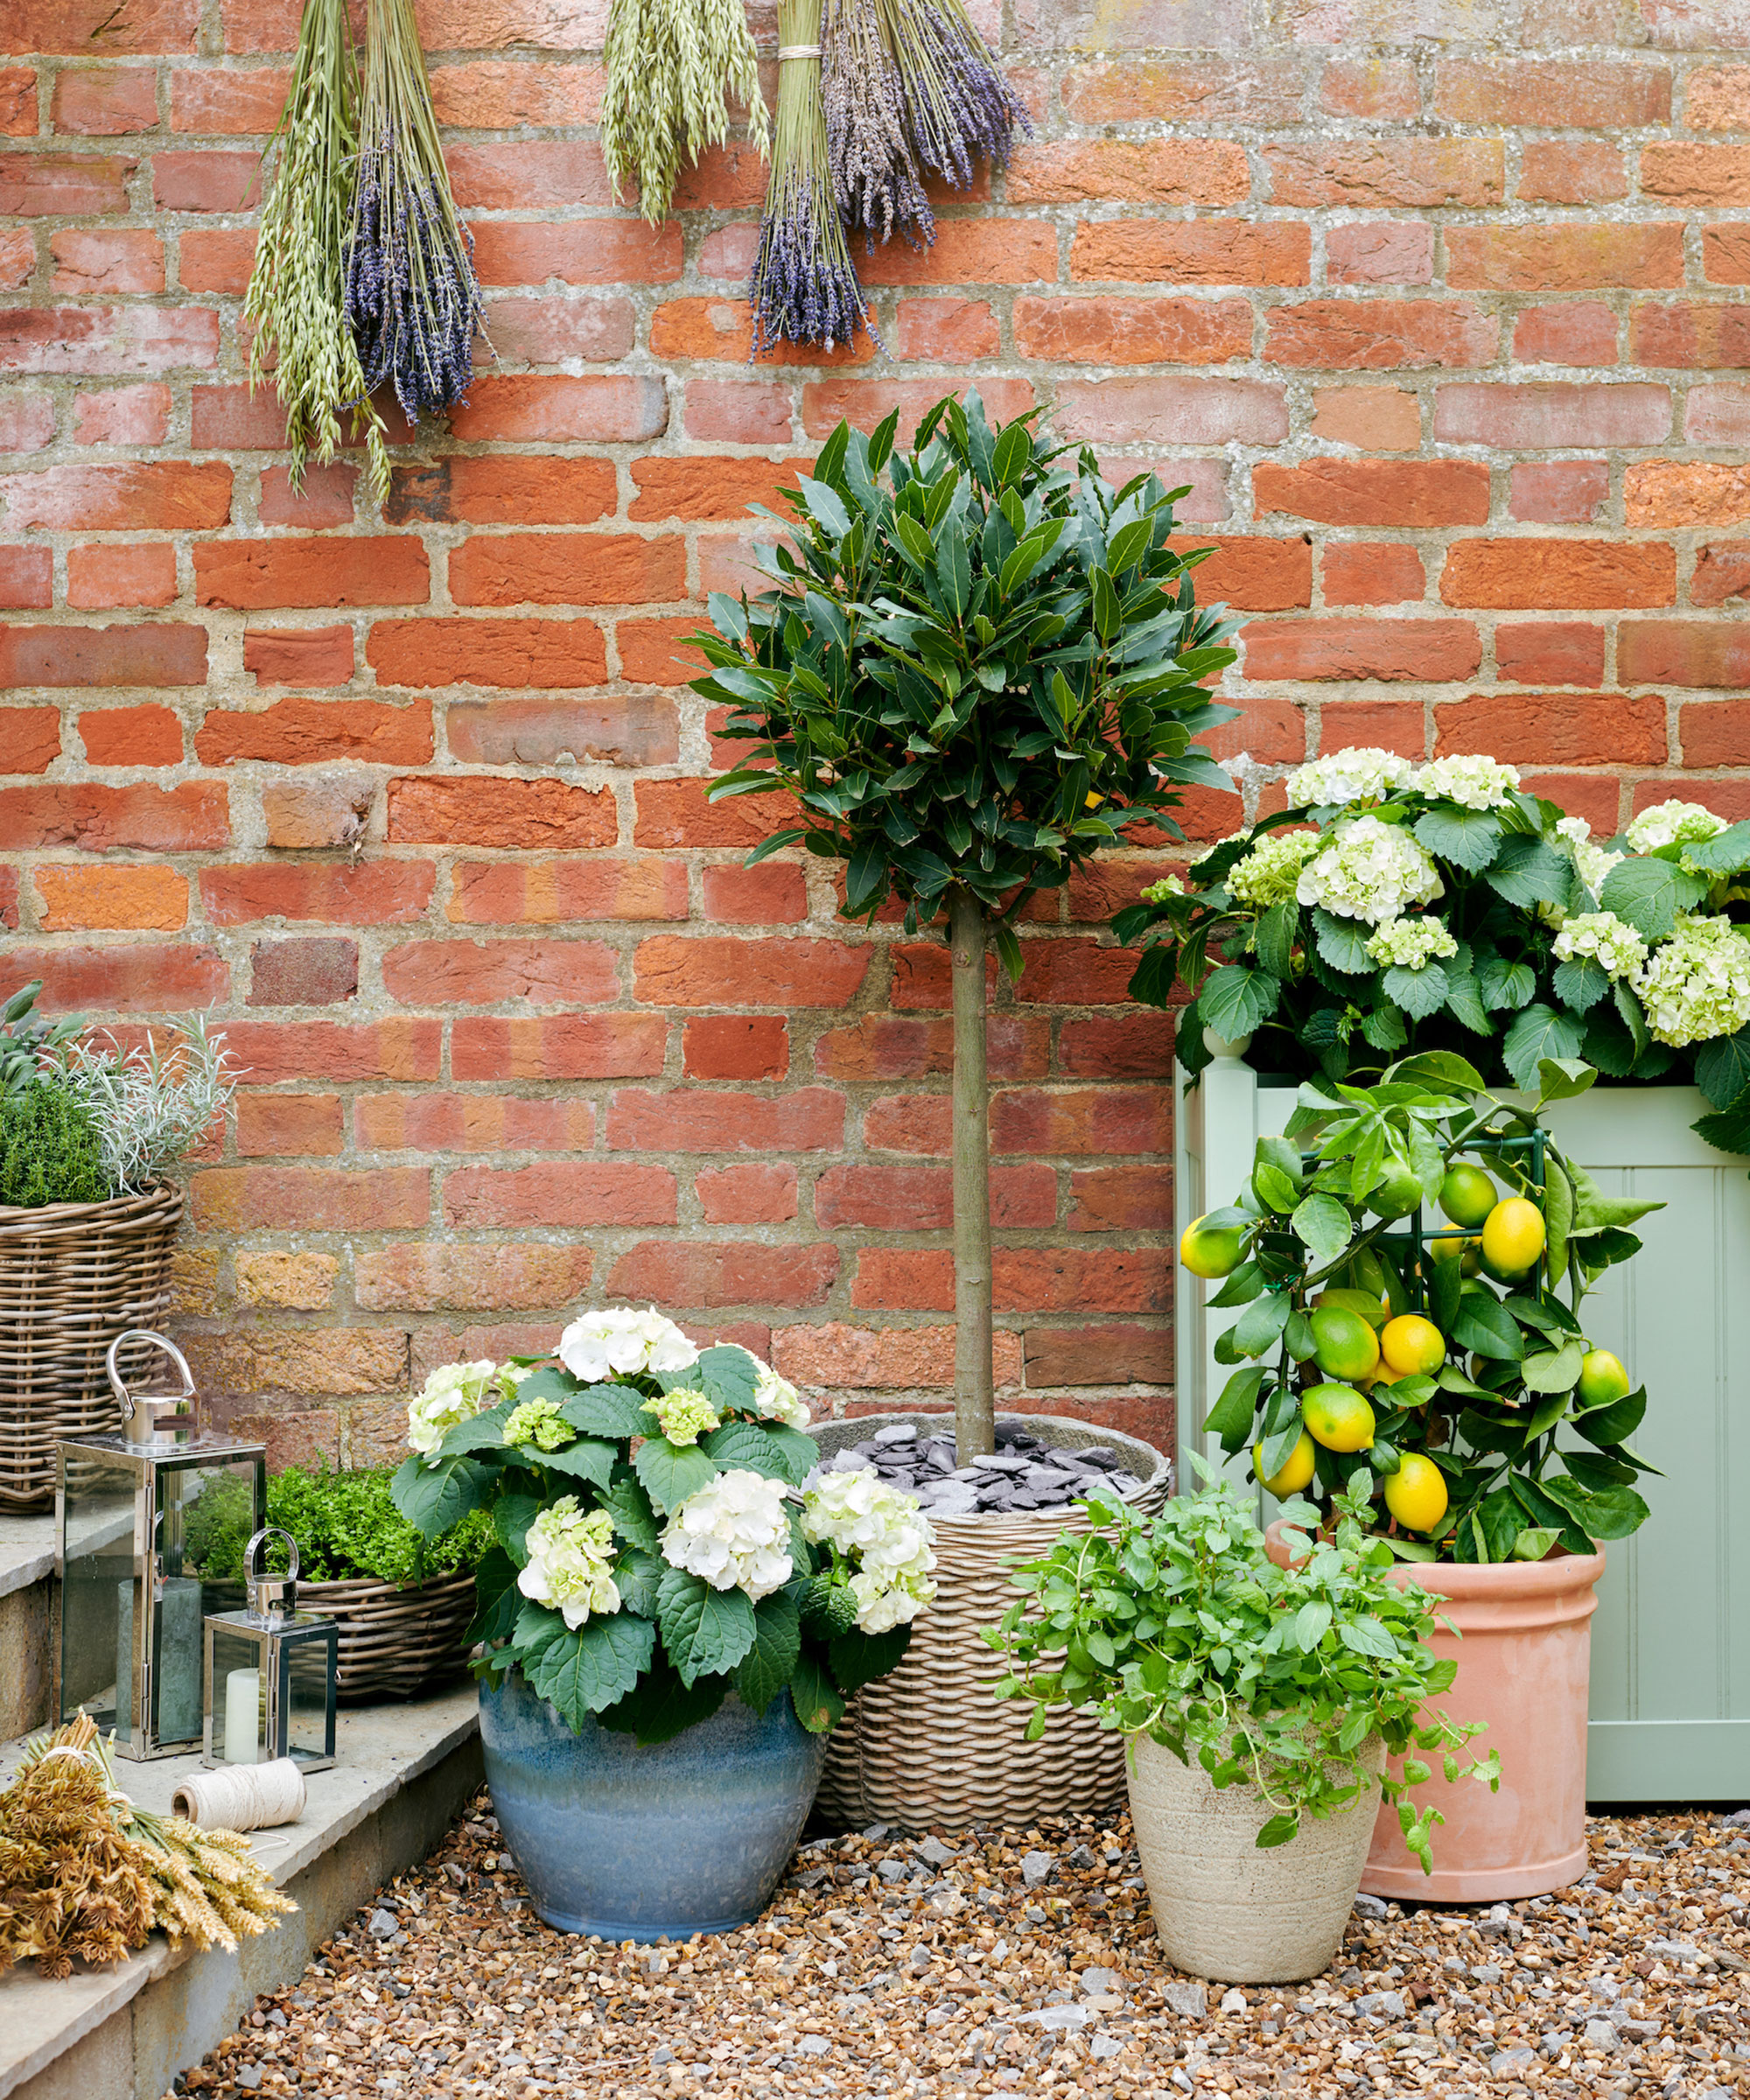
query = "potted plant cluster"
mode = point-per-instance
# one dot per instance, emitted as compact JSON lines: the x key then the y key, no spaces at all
{"x":671,"y":1619}
{"x":1260,"y":1702}
{"x":90,"y":1133}
{"x":980,"y":666}
{"x":1448,"y":1364}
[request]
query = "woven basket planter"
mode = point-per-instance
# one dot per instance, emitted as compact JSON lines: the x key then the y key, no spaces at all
{"x":396,"y":1643}
{"x":928,"y":1745}
{"x":73,"y":1276}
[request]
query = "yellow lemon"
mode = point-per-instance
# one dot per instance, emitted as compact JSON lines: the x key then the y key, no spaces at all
{"x":1513,"y":1236}
{"x":1344,"y":1346}
{"x":1409,"y":1345}
{"x":1416,"y":1493}
{"x":1466,"y":1195}
{"x":1602,"y":1378}
{"x":1337,"y":1416}
{"x":1363,"y":1302}
{"x":1297,"y":1468}
{"x":1210,"y":1254}
{"x":1450,"y":1248}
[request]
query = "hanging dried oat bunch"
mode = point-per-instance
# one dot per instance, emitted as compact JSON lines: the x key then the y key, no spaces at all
{"x":672,"y":67}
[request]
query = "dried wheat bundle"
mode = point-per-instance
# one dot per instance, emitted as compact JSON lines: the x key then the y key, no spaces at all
{"x":672,"y":67}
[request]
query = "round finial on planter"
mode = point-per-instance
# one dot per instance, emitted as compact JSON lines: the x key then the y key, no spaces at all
{"x":1234,"y":1046}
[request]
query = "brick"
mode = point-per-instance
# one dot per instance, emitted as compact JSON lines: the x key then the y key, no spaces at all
{"x":1549,"y":651}
{"x":670,"y":969}
{"x":809,"y":1119}
{"x":1530,"y":575}
{"x":895,"y":1047}
{"x":491,"y":490}
{"x":574,"y":1192}
{"x":107,"y":340}
{"x":1375,"y":173}
{"x":165,"y":497}
{"x":138,"y":899}
{"x":635,"y":731}
{"x":1716,"y":733}
{"x":1133,"y":331}
{"x":1573,"y":332}
{"x":18,"y":257}
{"x":675,"y":813}
{"x":1024,"y":1279}
{"x":309,"y":1126}
{"x":1222,"y":252}
{"x":100,"y":578}
{"x":17,"y":102}
{"x":232,"y":418}
{"x":565,"y":568}
{"x":730,"y":253}
{"x":1682,"y":651}
{"x":302,"y":1283}
{"x":736,"y":1046}
{"x":471,"y":1123}
{"x":553,"y":890}
{"x":1722,"y":573}
{"x":1383,"y":419}
{"x":300,"y":1361}
{"x":947,"y":331}
{"x":329,"y":810}
{"x":747,"y":1195}
{"x":1121,"y":1199}
{"x":325,"y":497}
{"x":1594,"y":796}
{"x":615,"y":1046}
{"x":1260,"y":91}
{"x":863,"y":1195}
{"x":110,"y":261}
{"x":26,"y":421}
{"x":1081,"y":1120}
{"x":1565,"y":491}
{"x":480,"y":811}
{"x":213,"y":258}
{"x":503,"y":652}
{"x":1562,"y":258}
{"x":149,"y":735}
{"x":922,"y":976}
{"x":1691,"y":174}
{"x":1544,"y":414}
{"x":310,"y":1199}
{"x":1394,"y":251}
{"x":1098,"y":1355}
{"x":1602,"y":96}
{"x":1076,"y":973}
{"x":142,"y":976}
{"x":189,"y":819}
{"x":558,"y":331}
{"x":1718,"y":415}
{"x":772,"y":894}
{"x":298,"y":655}
{"x":1194,"y":411}
{"x":1725,"y":255}
{"x":309,"y":732}
{"x":1174,"y":171}
{"x":320,"y":972}
{"x":493,"y":95}
{"x":244,"y":101}
{"x":529,"y":175}
{"x":1380,"y":89}
{"x":656,"y":652}
{"x":210,"y":180}
{"x":253,"y":576}
{"x":483,"y":973}
{"x":63,"y":185}
{"x":737,"y":412}
{"x":1372,"y":573}
{"x":864,"y":402}
{"x":970,"y":251}
{"x":26,"y":580}
{"x":270,"y":1053}
{"x":1435,"y":651}
{"x":1561,"y":729}
{"x":1709,"y":336}
{"x":1376,"y":492}
{"x":586,"y":251}
{"x":136,"y":416}
{"x":1371,"y":335}
{"x":1129,"y":1045}
{"x":691,"y":1273}
{"x":1566,"y":171}
{"x":681,"y":330}
{"x":1717,"y":98}
{"x":709,"y":488}
{"x":424,"y":1277}
{"x":593,"y":411}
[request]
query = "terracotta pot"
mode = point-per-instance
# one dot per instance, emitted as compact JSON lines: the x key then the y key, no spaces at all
{"x":1223,"y":1908}
{"x":1524,"y":1665}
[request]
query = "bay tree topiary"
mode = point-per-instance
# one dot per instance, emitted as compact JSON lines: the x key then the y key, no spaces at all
{"x":979,"y":664}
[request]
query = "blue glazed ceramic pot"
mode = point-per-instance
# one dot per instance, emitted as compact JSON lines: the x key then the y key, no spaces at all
{"x":643,"y":1842}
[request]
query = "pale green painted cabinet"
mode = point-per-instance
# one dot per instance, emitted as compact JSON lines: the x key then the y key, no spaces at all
{"x":1670,"y":1658}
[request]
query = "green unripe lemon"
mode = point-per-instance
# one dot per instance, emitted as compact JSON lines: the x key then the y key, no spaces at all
{"x":1398,"y":1195}
{"x":1602,"y":1378}
{"x":1344,"y":1344}
{"x":1466,"y":1195}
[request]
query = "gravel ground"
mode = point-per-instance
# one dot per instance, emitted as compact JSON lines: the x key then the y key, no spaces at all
{"x":1020,"y":1961}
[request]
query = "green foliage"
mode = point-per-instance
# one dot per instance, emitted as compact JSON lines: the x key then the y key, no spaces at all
{"x":981,"y":666}
{"x":49,"y":1148}
{"x":1501,"y":1417}
{"x":1180,"y":1627}
{"x":346,"y":1526}
{"x":27,"y":1042}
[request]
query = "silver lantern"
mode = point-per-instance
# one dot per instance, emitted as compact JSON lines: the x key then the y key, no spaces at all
{"x":272,"y":1673}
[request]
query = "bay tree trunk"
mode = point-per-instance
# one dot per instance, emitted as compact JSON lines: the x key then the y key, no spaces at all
{"x":975,"y":1402}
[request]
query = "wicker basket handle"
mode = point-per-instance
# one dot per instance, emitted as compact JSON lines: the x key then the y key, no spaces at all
{"x":157,"y":1341}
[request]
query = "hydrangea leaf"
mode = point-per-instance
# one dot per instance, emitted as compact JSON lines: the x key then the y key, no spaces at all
{"x":706,"y":1632}
{"x":766,"y":1669}
{"x":669,"y":1473}
{"x":588,"y":1669}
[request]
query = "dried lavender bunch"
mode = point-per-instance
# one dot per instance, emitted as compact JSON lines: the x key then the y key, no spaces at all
{"x":805,"y":287}
{"x":296,"y":301}
{"x":876,"y":178}
{"x":957,"y":104}
{"x":671,"y":67}
{"x":412,"y":296}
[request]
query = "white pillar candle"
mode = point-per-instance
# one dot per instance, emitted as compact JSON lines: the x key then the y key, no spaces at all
{"x":242,"y":1716}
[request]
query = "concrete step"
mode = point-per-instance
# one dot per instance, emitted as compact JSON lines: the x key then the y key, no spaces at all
{"x":26,"y":1582}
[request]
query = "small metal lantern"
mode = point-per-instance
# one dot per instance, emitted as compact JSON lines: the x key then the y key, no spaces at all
{"x":272,"y":1673}
{"x":135,"y":1517}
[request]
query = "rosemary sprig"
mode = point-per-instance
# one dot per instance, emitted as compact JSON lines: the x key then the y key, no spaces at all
{"x":671,"y":65}
{"x":295,"y":302}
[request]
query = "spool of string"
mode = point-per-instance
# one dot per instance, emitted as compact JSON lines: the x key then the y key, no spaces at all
{"x":241,"y":1797}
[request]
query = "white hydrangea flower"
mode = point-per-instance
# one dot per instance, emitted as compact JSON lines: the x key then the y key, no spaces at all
{"x":1370,"y":870}
{"x":1695,"y":986}
{"x":1601,"y":937}
{"x":1269,"y":872}
{"x":570,"y":1562}
{"x":1473,"y":781}
{"x":539,"y":1423}
{"x":451,"y":1394}
{"x":775,"y":1398}
{"x":1593,"y":861}
{"x":1672,"y":824}
{"x":1157,"y":893}
{"x":1362,"y":774}
{"x":683,"y":1414}
{"x":883,"y":1532}
{"x":619,"y":1342}
{"x":1409,"y":943}
{"x":734,"y":1534}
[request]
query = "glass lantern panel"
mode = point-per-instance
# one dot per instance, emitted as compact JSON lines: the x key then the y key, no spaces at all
{"x":97,"y":1594}
{"x":239,"y":1697}
{"x":206,"y":1512}
{"x":309,"y":1672}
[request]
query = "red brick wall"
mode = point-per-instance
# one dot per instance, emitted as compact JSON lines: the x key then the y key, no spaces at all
{"x":1437,"y":304}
